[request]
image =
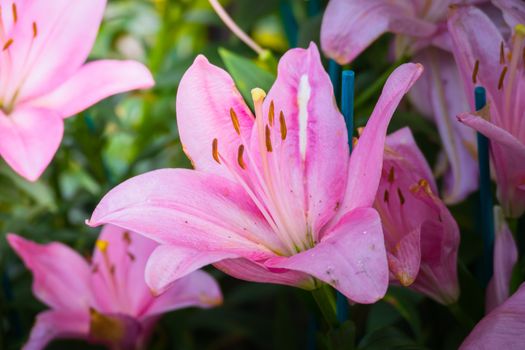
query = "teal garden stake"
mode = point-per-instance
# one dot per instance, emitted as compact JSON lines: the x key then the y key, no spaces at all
{"x":345,"y":90}
{"x":486,"y":205}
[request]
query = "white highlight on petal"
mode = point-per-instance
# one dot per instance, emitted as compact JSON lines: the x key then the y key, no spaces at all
{"x":303,"y":96}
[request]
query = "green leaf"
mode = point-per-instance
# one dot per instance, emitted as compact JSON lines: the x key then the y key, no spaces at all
{"x":387,"y":338}
{"x":39,"y":191}
{"x":246,"y":74}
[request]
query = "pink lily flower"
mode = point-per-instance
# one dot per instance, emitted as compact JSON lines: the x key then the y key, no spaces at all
{"x":485,"y":58}
{"x":502,"y":328}
{"x":43,"y":47}
{"x":274,"y":198}
{"x":104,"y":301}
{"x":350,"y":26}
{"x":505,"y":257}
{"x":421,"y":236}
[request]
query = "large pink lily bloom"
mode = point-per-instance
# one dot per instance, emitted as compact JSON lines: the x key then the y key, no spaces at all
{"x":505,"y":257}
{"x":422,"y":237}
{"x":502,"y":328}
{"x":106,"y":300}
{"x":43,"y":78}
{"x":275,"y":198}
{"x":487,"y":59}
{"x":350,"y":26}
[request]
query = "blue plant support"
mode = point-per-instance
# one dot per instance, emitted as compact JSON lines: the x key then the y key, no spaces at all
{"x":486,"y":204}
{"x":334,"y":70}
{"x":347,"y":107}
{"x":290,"y":24}
{"x":347,"y":103}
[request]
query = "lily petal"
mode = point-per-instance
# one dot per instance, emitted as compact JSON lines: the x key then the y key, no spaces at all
{"x":253,"y":271}
{"x":197,"y":289}
{"x":364,"y":171}
{"x":513,"y":11}
{"x":60,"y":275}
{"x":168,"y":263}
{"x":349,"y":27}
{"x":508,"y":155}
{"x":502,"y":328}
{"x":94,"y":82}
{"x":476,"y":38}
{"x":190,"y":209}
{"x":47,"y":53}
{"x":205,"y":99}
{"x":30,"y":139}
{"x":447,"y":99}
{"x":505,"y":257}
{"x":55,"y":324}
{"x":351,"y":258}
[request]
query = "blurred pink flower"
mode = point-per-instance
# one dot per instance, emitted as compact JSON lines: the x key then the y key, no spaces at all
{"x":422,"y":237}
{"x":275,"y":198}
{"x":105,"y":301}
{"x":43,"y":79}
{"x":486,"y":58}
{"x":502,"y":328}
{"x":505,"y":257}
{"x":350,"y":26}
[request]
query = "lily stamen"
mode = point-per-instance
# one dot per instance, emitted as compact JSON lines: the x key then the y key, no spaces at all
{"x":502,"y":78}
{"x":240,"y":160}
{"x":475,"y":72}
{"x":15,"y":13}
{"x":7,"y":44}
{"x":271,"y":113}
{"x":502,"y":53}
{"x":268,"y":139}
{"x":235,"y":121}
{"x":282,"y":123}
{"x":215,"y":150}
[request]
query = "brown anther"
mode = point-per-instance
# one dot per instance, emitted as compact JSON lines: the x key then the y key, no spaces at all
{"x":391,"y":175}
{"x":386,"y":196}
{"x":268,"y":139}
{"x":271,"y":113}
{"x":475,"y":72}
{"x":215,"y":150}
{"x":400,"y":195}
{"x":131,"y":256}
{"x":235,"y":121}
{"x":239,"y":157}
{"x":7,"y":44}
{"x":35,"y":30}
{"x":94,"y":269}
{"x":502,"y":77}
{"x":15,"y":14}
{"x":282,"y":122}
{"x":112,"y":269}
{"x":126,"y":238}
{"x":502,"y":53}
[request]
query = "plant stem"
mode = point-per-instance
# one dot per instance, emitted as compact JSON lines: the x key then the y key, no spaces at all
{"x":460,"y":316}
{"x":325,"y":299}
{"x":378,"y":84}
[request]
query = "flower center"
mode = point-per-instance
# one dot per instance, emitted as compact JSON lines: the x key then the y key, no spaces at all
{"x":259,"y":172}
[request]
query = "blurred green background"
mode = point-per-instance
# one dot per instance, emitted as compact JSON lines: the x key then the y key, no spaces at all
{"x":133,"y":133}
